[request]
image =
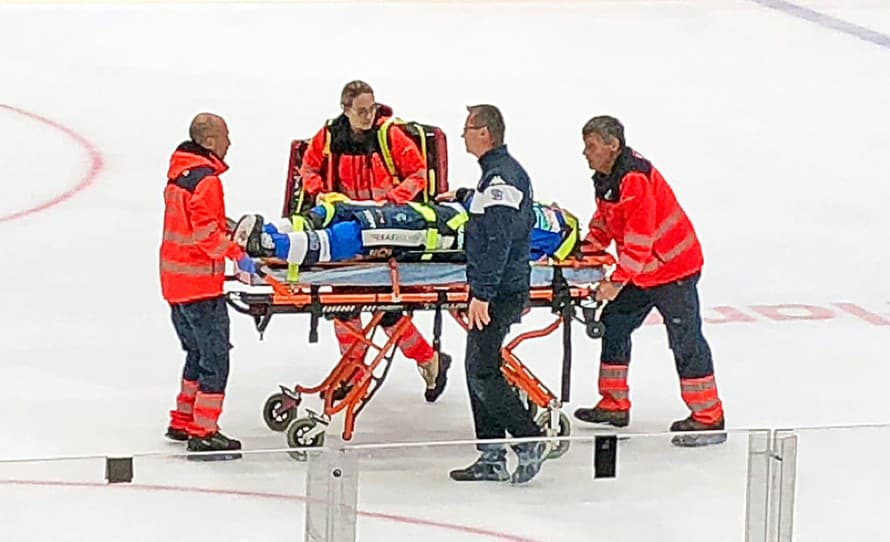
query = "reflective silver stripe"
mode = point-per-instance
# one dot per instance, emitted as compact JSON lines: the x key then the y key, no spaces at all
{"x":678,"y":249}
{"x":178,"y":238}
{"x":702,"y":405}
{"x":704,"y":385}
{"x":300,"y":245}
{"x":206,"y":422}
{"x":668,"y":223}
{"x":209,"y":400}
{"x":219,"y":251}
{"x":637,"y":239}
{"x":205,"y":231}
{"x":407,"y":342}
{"x":188,"y":388}
{"x":184,"y":406}
{"x":613,"y":372}
{"x":630,"y":263}
{"x":394,"y":237}
{"x":324,"y":251}
{"x":201,"y":270}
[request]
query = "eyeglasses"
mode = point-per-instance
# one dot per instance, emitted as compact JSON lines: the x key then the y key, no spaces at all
{"x":365,"y":112}
{"x":468,"y":128}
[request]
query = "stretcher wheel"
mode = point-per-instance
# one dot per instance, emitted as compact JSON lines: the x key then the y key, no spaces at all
{"x":276,"y":418}
{"x":565,"y":429}
{"x":297,"y":437}
{"x":595,"y":330}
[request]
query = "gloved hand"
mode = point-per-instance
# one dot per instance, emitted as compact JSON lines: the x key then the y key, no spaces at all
{"x":245,"y":263}
{"x":331,"y":197}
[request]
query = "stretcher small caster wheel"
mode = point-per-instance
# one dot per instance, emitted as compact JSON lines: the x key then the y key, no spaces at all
{"x":596,"y":330}
{"x":565,"y":429}
{"x":279,"y":411}
{"x":304,"y":433}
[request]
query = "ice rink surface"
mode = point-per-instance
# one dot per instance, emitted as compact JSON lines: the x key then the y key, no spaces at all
{"x":768,"y":118}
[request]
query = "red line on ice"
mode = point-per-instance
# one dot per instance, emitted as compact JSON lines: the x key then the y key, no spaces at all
{"x":96,"y":163}
{"x":278,"y":496}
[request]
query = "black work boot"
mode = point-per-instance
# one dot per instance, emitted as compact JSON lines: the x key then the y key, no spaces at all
{"x":490,"y":467}
{"x":531,"y":455}
{"x":436,"y":376}
{"x":215,"y":442}
{"x":615,"y":418}
{"x":697,"y":440}
{"x":179,"y":435}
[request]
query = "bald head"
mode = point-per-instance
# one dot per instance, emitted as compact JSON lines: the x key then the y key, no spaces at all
{"x":210,"y":131}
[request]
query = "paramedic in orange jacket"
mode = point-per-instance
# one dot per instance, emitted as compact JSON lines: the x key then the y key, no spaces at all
{"x":192,"y":266}
{"x":345,"y":157}
{"x":659,"y":264}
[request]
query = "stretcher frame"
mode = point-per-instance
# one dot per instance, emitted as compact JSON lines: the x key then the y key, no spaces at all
{"x":365,"y":378}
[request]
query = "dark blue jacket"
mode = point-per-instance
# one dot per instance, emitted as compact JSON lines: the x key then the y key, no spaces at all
{"x":499,"y":229}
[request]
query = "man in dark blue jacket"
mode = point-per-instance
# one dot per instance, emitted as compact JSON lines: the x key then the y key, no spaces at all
{"x":498,"y":273}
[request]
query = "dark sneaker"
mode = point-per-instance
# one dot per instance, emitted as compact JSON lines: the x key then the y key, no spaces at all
{"x":216,"y":442}
{"x":615,"y":418}
{"x":697,"y":440}
{"x":530,"y":455}
{"x":436,"y":382}
{"x":179,"y":435}
{"x":490,"y":467}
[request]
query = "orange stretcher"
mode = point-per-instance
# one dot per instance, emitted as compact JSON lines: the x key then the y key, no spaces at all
{"x":380,"y":288}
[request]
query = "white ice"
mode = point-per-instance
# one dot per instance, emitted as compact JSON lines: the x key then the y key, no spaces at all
{"x":772,"y":130}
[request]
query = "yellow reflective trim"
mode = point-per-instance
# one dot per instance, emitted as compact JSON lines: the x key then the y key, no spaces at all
{"x":457,"y":221}
{"x":431,"y":182}
{"x":432,"y":233}
{"x":568,"y":245}
{"x":425,"y":211}
{"x":432,"y":239}
{"x":422,"y":132}
{"x":329,"y":211}
{"x":384,"y":147}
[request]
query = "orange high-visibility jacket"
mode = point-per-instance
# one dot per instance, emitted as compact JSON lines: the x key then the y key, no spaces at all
{"x":338,"y":161}
{"x":636,"y":208}
{"x":195,"y":242}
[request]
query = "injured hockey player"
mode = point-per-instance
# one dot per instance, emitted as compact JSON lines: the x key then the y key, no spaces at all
{"x":345,"y":230}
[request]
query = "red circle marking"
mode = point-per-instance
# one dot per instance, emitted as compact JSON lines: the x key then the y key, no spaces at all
{"x":87,"y":179}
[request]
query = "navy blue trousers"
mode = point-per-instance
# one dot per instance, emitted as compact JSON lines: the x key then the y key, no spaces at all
{"x":679,"y":306}
{"x":203,"y":330}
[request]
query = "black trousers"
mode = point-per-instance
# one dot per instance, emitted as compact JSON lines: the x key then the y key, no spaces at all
{"x":496,"y":405}
{"x":203,"y":330}
{"x":679,"y":306}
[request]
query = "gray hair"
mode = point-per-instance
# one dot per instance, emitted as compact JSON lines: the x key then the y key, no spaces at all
{"x":608,"y":128}
{"x":490,"y":117}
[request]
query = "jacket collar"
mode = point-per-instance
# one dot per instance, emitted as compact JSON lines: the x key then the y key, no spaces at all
{"x":492,"y":156}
